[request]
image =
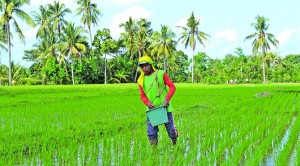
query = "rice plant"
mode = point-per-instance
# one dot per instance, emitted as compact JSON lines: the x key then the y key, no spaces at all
{"x":106,"y":125}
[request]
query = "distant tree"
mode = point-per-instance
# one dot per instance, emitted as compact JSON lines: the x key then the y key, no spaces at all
{"x":163,"y":44}
{"x":45,"y":33}
{"x":106,"y":46}
{"x":241,"y":61}
{"x":142,"y":40}
{"x":216,"y":72}
{"x":128,"y":40}
{"x":119,"y":77}
{"x":2,"y":40}
{"x":89,"y":12}
{"x":271,"y":61}
{"x":58,"y":12}
{"x":291,"y":65}
{"x":42,"y":20}
{"x":11,"y":9}
{"x":191,"y":34}
{"x":231,"y":64}
{"x":262,"y":39}
{"x":3,"y":74}
{"x":129,"y":35}
{"x":252,"y":70}
{"x":201,"y":67}
{"x":73,"y":44}
{"x":178,"y":67}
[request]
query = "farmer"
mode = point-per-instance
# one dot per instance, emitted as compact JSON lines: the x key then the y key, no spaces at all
{"x":154,"y":93}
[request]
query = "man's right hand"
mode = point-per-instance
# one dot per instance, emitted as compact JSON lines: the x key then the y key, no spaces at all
{"x":150,"y":105}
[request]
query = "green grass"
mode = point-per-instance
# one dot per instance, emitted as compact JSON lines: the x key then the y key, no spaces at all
{"x":105,"y":125}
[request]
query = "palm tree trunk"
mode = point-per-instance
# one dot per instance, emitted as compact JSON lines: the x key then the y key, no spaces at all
{"x":263,"y":65}
{"x":9,"y":54}
{"x":241,"y":73}
{"x":137,"y":68}
{"x":72,"y":66}
{"x":133,"y":71}
{"x":91,"y":38}
{"x":133,"y":68}
{"x":193,"y":67}
{"x":105,"y":68}
{"x":132,"y":58}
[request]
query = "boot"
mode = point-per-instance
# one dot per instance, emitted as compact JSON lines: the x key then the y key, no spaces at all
{"x":153,"y":141}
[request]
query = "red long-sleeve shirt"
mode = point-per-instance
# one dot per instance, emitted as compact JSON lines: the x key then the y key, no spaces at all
{"x":168,"y":82}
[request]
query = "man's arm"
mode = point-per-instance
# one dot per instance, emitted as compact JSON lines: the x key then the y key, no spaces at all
{"x":145,"y":99}
{"x":171,"y":86}
{"x":171,"y":91}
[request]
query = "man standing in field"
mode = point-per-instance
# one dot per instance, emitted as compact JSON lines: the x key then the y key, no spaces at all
{"x":154,"y":93}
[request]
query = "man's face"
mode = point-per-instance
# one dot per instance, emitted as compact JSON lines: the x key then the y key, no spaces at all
{"x":146,"y":68}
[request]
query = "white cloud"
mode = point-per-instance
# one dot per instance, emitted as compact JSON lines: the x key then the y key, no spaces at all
{"x":285,"y":35}
{"x":181,"y":22}
{"x":136,"y":12}
{"x":297,"y":34}
{"x":227,"y":34}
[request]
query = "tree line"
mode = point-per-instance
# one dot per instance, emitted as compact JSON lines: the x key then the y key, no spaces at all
{"x":67,"y":53}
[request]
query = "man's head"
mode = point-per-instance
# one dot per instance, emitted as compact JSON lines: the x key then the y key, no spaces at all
{"x":146,"y":68}
{"x":146,"y":64}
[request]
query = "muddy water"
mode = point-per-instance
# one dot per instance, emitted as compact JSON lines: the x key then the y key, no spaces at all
{"x":271,"y":158}
{"x":294,"y":153}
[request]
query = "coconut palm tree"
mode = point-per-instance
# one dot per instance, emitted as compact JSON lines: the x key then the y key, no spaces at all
{"x":2,"y":41}
{"x":73,"y":44}
{"x":262,"y":39}
{"x":128,"y":38}
{"x":142,"y":36}
{"x":47,"y":38}
{"x":10,"y":10}
{"x":164,"y":44}
{"x":142,"y":39}
{"x":120,"y":75}
{"x":136,"y":39}
{"x":106,"y":45}
{"x":46,"y":47}
{"x":89,"y":12}
{"x":3,"y":74}
{"x":191,"y":34}
{"x":42,"y":20}
{"x":57,"y":13}
{"x":2,"y":38}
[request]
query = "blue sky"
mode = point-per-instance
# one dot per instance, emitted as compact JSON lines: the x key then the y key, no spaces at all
{"x":227,"y":22}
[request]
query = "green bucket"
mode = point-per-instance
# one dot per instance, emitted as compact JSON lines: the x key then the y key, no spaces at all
{"x":157,"y":115}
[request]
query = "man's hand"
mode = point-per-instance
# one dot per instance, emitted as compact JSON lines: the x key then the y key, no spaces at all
{"x":166,"y":103}
{"x":150,"y":105}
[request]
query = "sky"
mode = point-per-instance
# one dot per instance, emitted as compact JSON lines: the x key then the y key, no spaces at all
{"x":228,"y":22}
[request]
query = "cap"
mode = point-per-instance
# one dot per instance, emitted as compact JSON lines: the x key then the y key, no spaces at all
{"x":144,"y":62}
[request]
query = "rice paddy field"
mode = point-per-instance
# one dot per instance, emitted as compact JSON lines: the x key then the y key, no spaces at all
{"x":106,"y":125}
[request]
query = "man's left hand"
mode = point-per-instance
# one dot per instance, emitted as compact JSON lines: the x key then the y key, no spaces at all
{"x":166,"y":103}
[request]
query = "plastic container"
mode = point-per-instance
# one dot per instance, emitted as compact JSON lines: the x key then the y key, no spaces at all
{"x":157,"y":115}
